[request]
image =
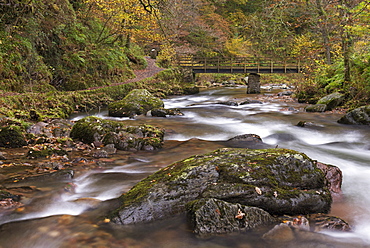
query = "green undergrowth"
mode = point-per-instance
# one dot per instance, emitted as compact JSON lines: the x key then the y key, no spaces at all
{"x":61,"y":104}
{"x":57,"y":44}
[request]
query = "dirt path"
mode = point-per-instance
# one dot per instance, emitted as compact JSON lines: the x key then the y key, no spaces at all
{"x":149,"y":71}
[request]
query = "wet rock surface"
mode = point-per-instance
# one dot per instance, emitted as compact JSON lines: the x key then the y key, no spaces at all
{"x":358,"y":116}
{"x":334,"y":177}
{"x":212,"y":216}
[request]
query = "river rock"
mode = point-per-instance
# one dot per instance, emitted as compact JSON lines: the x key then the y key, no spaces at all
{"x":285,"y":93}
{"x":137,"y":102}
{"x":358,"y":116}
{"x":7,"y":195}
{"x":280,"y":181}
{"x":334,"y":176}
{"x":2,"y":157}
{"x":309,"y":124}
{"x":56,"y":128}
{"x":94,"y":129}
{"x":99,"y":153}
{"x":247,"y":138}
{"x":162,"y":112}
{"x":245,"y":141}
{"x":322,"y":222}
{"x":288,"y":236}
{"x":250,"y":101}
{"x":228,"y":103}
{"x":11,"y":137}
{"x":110,"y":149}
{"x":332,"y":101}
{"x":212,"y":216}
{"x":316,"y":108}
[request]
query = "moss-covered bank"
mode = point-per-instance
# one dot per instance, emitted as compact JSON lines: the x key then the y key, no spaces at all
{"x":57,"y":104}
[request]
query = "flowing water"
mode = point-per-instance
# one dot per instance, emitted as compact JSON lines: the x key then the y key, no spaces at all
{"x":56,"y":218}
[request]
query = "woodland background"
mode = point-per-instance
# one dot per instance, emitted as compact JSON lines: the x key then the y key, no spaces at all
{"x":68,"y":45}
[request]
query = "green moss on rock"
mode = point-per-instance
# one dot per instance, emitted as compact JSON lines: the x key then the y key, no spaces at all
{"x":138,"y":101}
{"x":94,"y":129}
{"x":12,"y":137}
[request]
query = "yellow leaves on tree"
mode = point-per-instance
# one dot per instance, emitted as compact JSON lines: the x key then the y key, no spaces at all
{"x":238,"y":47}
{"x":303,"y":45}
{"x":128,"y":18}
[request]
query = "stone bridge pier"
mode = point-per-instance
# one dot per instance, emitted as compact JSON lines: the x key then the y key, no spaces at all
{"x":254,"y":85}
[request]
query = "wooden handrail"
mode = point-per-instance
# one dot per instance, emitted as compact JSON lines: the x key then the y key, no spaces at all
{"x":238,"y":65}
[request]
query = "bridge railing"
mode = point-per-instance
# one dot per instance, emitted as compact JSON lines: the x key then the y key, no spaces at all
{"x":238,"y":65}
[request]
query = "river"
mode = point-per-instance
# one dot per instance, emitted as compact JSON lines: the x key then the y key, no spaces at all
{"x":56,"y":218}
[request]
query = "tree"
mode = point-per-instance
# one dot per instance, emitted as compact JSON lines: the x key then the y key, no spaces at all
{"x":134,"y":19}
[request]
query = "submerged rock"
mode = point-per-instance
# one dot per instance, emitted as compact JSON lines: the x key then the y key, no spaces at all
{"x":162,"y":112}
{"x":137,"y":102}
{"x":93,"y":129}
{"x":334,"y":177}
{"x":247,"y":138}
{"x":286,"y":235}
{"x":212,"y":216}
{"x":279,"y":181}
{"x":250,"y":101}
{"x":359,"y":116}
{"x":228,"y":103}
{"x":322,"y":222}
{"x":316,"y":108}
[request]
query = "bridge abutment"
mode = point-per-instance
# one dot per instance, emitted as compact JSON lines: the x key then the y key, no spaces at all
{"x":254,"y":85}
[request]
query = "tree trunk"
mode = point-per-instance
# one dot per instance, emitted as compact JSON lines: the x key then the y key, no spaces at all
{"x":128,"y":41}
{"x":346,"y":39}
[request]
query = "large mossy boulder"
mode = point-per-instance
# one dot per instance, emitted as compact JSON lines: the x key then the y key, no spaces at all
{"x":137,"y":102}
{"x":279,"y":181}
{"x":93,"y":129}
{"x":332,"y":101}
{"x":12,"y":137}
{"x":358,"y":116}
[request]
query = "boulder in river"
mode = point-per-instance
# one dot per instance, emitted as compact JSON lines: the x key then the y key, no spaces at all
{"x":332,"y":101}
{"x":137,"y":102}
{"x":279,"y":181}
{"x":94,"y":129}
{"x":358,"y":116}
